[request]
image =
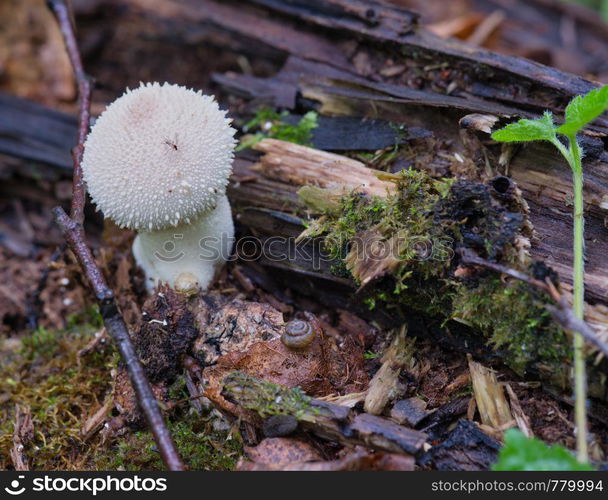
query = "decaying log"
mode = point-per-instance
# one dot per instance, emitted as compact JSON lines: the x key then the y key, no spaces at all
{"x":286,"y":166}
{"x":466,"y":448}
{"x":484,"y":82}
{"x":326,"y":420}
{"x":36,"y":133}
{"x":325,"y":32}
{"x":268,"y":204}
{"x":409,"y":411}
{"x":335,"y":54}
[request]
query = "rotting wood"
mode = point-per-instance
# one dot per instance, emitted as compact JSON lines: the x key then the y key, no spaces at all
{"x":383,"y":386}
{"x":320,"y":65}
{"x":269,"y":220}
{"x":489,"y":394}
{"x":522,"y":420}
{"x":294,"y":28}
{"x":307,"y":166}
{"x":411,"y":411}
{"x":286,"y":168}
{"x":326,"y":420}
{"x":466,"y":448}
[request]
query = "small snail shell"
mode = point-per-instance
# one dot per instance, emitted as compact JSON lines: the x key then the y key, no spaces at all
{"x":298,"y":334}
{"x":186,"y":284}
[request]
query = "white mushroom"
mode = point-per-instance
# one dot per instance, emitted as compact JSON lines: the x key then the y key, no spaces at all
{"x":158,"y":160}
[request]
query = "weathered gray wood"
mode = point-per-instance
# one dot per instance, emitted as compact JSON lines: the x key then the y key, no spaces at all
{"x":320,"y":31}
{"x":34,"y":132}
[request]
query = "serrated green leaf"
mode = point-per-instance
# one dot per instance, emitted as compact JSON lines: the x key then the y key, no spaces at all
{"x":529,"y":454}
{"x":583,"y":110}
{"x":541,"y":129}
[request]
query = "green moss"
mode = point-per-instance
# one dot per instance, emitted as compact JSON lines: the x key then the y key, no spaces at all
{"x":405,"y":223}
{"x":406,"y":214}
{"x":41,"y":342}
{"x":89,"y":316}
{"x":422,"y":224}
{"x":200,"y":446}
{"x":270,"y":123}
{"x":45,"y":374}
{"x":268,"y":399}
{"x":178,"y":390}
{"x":514,"y":318}
{"x":357,"y":213}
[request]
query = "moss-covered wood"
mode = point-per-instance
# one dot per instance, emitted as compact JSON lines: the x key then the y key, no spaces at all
{"x":418,"y":223}
{"x":402,"y":251}
{"x":326,"y":420}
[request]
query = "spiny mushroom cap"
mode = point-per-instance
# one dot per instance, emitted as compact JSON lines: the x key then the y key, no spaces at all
{"x":158,"y":156}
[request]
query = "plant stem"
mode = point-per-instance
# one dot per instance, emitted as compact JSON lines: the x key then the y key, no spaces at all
{"x":580,"y":382}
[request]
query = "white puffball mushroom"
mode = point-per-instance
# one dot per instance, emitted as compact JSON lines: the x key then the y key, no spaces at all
{"x":158,"y":160}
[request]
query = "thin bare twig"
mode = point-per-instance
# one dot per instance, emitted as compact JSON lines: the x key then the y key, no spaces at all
{"x":22,"y":435}
{"x":469,"y":257}
{"x":562,"y":313}
{"x":85,"y":87}
{"x":73,"y":231}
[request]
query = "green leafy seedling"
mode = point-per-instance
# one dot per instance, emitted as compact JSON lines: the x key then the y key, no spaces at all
{"x":271,"y":123}
{"x":579,"y":112}
{"x":521,"y":453}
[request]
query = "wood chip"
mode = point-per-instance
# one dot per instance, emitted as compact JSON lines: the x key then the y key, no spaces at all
{"x":523,"y":422}
{"x":385,"y":383}
{"x":489,"y":395}
{"x":409,"y":411}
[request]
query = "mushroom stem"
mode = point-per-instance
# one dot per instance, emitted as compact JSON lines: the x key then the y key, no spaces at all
{"x":188,"y":256}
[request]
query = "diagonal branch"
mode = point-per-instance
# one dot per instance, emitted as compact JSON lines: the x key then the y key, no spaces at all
{"x":562,"y":313}
{"x":73,"y":231}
